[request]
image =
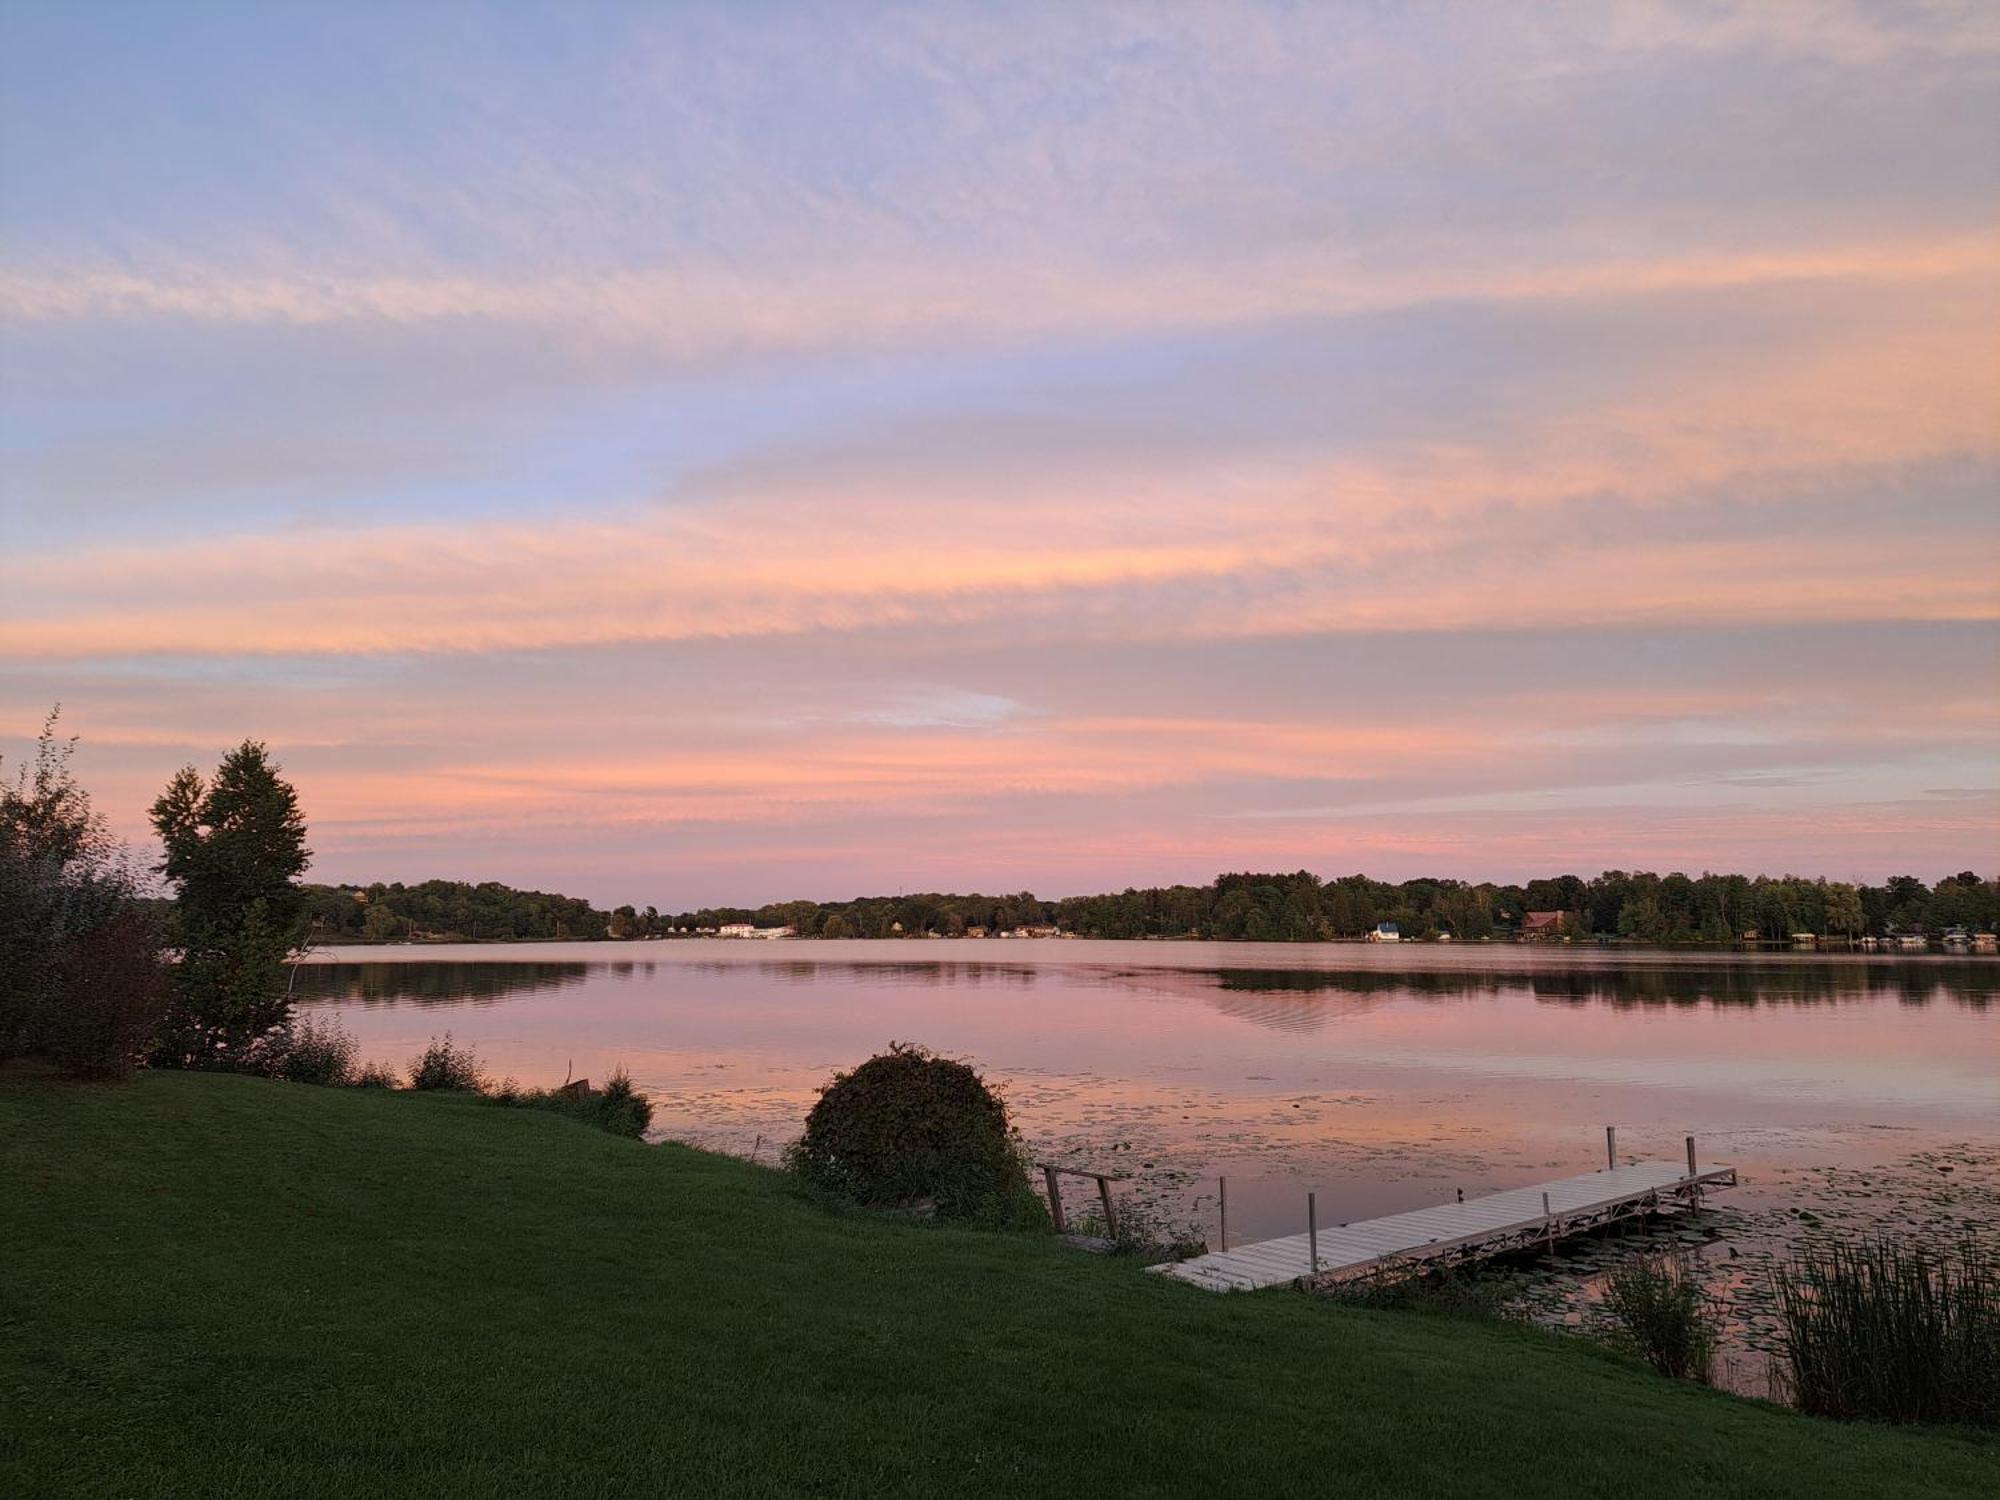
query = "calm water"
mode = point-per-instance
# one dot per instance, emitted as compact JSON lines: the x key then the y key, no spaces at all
{"x":1854,"y":1094}
{"x":1382,"y":1077}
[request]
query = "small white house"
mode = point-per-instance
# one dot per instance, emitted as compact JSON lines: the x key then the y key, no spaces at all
{"x":1386,"y":932}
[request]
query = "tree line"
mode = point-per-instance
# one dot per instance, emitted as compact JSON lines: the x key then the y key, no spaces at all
{"x":1303,"y":907}
{"x":446,"y":910}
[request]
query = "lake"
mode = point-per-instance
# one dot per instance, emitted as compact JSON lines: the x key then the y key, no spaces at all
{"x":1382,"y":1076}
{"x":1851,"y":1091}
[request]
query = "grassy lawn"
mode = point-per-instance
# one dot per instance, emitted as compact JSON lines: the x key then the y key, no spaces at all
{"x":218,"y":1285}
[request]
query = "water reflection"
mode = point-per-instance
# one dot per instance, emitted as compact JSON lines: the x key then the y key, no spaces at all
{"x":1742,"y":984}
{"x":476,"y":984}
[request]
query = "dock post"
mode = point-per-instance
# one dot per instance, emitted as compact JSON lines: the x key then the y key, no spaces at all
{"x":1110,"y":1213}
{"x":1312,"y":1229}
{"x":1461,"y":1195}
{"x":1548,"y":1224}
{"x":1694,"y":1188}
{"x":1223,"y":1184}
{"x":1055,"y":1200}
{"x":1611,"y":1146}
{"x":1691,"y":1167}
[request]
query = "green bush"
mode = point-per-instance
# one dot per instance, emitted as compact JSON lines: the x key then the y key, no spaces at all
{"x":307,"y":1049}
{"x":375,"y":1075}
{"x":448,"y":1067}
{"x":1658,"y":1311}
{"x":618,"y":1107}
{"x":908,"y":1129}
{"x":1894,"y":1332}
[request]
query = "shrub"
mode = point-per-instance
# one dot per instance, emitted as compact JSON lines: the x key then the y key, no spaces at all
{"x":80,"y":974}
{"x":908,"y":1128}
{"x":446,"y":1066}
{"x":1658,"y":1311}
{"x":1893,"y":1332}
{"x":307,"y":1049}
{"x":375,"y":1075}
{"x":618,"y":1107}
{"x":621,"y":1108}
{"x":112,"y":993}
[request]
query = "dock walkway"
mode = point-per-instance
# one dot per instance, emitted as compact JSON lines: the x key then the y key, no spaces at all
{"x":1516,"y":1219}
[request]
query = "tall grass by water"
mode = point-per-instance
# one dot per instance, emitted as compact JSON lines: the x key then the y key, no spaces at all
{"x":1894,"y":1331}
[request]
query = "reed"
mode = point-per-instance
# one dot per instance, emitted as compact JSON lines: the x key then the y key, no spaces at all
{"x":1894,"y":1331}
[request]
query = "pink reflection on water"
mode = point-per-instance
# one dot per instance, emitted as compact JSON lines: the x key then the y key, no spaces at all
{"x":1383,"y":1079}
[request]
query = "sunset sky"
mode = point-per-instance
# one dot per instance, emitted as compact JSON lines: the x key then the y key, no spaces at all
{"x":680,"y":453}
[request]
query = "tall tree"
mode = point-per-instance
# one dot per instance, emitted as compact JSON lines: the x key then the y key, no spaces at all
{"x":235,"y":847}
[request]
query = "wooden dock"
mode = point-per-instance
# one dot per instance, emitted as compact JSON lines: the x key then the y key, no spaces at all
{"x":1517,"y":1219}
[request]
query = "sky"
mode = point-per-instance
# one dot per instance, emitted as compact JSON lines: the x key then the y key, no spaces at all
{"x":691,"y":454}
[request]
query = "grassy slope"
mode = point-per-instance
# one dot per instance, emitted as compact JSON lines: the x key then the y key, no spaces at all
{"x":218,"y":1284}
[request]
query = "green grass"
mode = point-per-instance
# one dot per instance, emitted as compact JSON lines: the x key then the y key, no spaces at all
{"x":224,"y":1285}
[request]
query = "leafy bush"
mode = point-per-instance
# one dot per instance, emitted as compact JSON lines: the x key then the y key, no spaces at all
{"x":448,"y":1067}
{"x":375,"y":1075}
{"x":80,"y":973}
{"x":621,"y":1108}
{"x":909,"y":1128}
{"x":1894,"y":1332}
{"x":307,"y":1049}
{"x":1659,"y":1312}
{"x":112,"y":993}
{"x":618,"y":1107}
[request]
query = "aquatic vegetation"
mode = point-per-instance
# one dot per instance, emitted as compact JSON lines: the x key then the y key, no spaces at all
{"x":1894,"y":1330}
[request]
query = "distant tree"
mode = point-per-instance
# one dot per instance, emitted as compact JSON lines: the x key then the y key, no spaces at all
{"x":1843,"y":909}
{"x":235,"y":847}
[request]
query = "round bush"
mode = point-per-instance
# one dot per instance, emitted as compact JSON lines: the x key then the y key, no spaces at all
{"x":908,"y":1127}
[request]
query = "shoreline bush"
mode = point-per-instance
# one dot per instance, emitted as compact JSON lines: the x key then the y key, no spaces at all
{"x":910,"y":1130}
{"x":307,"y":1049}
{"x":1658,"y":1311}
{"x":375,"y":1075}
{"x":448,"y":1068}
{"x":618,"y":1107}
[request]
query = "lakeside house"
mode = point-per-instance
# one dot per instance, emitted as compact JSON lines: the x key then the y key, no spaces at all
{"x":1541,"y":927}
{"x":1386,"y":932}
{"x":751,"y":930}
